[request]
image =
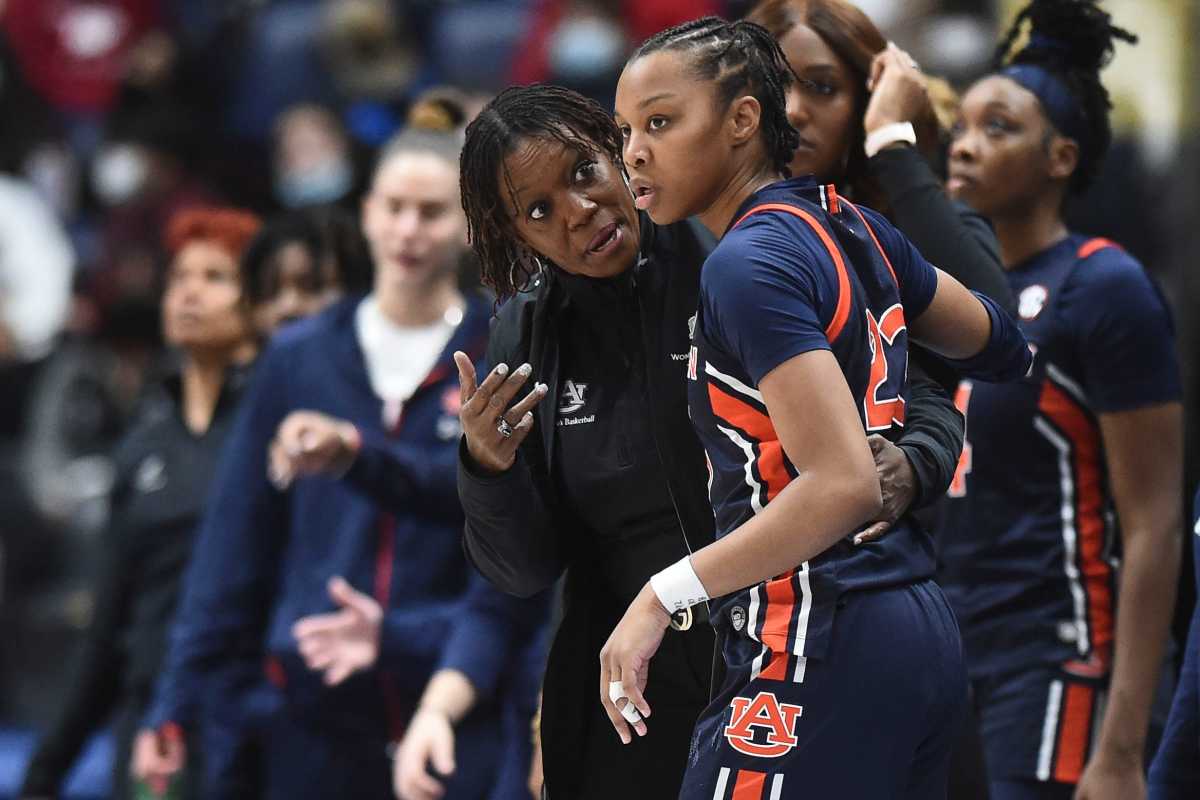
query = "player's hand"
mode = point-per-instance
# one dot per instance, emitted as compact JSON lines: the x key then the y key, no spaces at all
{"x":483,"y":407}
{"x":897,"y":484}
{"x":158,"y":755}
{"x":311,"y":443}
{"x":626,"y":658}
{"x":1112,"y":778}
{"x":428,"y":742}
{"x":344,"y":641}
{"x":898,"y":91}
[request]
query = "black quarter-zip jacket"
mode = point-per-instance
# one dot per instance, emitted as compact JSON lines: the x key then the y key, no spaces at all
{"x":163,"y":471}
{"x":611,"y":486}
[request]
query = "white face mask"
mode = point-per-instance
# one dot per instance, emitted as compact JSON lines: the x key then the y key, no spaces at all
{"x":119,"y":172}
{"x":586,"y":47}
{"x":326,"y":182}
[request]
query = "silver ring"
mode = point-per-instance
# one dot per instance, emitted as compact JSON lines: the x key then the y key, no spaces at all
{"x":504,"y":428}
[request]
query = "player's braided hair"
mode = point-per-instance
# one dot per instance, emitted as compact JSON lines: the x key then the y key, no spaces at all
{"x":519,"y":113}
{"x":1074,"y":40}
{"x":740,"y":58}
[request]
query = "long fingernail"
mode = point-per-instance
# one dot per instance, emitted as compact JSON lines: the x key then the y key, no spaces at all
{"x":524,"y":369}
{"x":502,"y":369}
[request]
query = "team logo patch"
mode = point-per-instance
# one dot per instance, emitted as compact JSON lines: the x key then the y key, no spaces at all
{"x":151,"y":474}
{"x":762,"y":727}
{"x":737,"y":617}
{"x":572,"y":398}
{"x":693,"y":358}
{"x":1032,"y":301}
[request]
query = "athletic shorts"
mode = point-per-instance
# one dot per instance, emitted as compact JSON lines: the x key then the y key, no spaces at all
{"x":1040,"y":724}
{"x":875,"y":717}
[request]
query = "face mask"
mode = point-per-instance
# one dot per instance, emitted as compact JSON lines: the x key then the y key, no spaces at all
{"x":325,"y":183}
{"x":586,"y":48}
{"x":118,"y":173}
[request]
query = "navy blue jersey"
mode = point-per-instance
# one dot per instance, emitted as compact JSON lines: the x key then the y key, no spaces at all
{"x":1029,"y":536}
{"x":802,"y":270}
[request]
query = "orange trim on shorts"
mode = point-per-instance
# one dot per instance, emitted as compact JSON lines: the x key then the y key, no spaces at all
{"x":749,"y":785}
{"x":781,"y":607}
{"x":1074,"y":732}
{"x":842,"y":313}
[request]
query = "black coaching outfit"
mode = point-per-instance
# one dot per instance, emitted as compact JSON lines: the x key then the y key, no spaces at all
{"x":611,"y":486}
{"x":163,"y":471}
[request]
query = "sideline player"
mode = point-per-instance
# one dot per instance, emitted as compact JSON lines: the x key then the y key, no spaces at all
{"x":1077,"y":463}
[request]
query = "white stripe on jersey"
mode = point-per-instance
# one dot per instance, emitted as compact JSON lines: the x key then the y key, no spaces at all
{"x":1049,"y":730}
{"x":1069,"y":534}
{"x":756,"y":488}
{"x":777,"y":787}
{"x":733,"y":383}
{"x":722,"y":780}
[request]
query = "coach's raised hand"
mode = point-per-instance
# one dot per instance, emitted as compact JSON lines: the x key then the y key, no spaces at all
{"x":493,"y":429}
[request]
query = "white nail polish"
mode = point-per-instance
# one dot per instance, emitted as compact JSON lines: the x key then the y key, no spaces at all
{"x":502,"y":369}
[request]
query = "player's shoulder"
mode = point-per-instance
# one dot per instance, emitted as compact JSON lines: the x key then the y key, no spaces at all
{"x":1101,"y":265}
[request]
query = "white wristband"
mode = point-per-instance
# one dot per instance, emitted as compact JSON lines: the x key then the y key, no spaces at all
{"x":678,"y":587}
{"x":889,"y":134}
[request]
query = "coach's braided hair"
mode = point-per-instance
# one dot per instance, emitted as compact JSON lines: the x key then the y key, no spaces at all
{"x":518,"y":113}
{"x":740,"y":58}
{"x":1073,"y":40}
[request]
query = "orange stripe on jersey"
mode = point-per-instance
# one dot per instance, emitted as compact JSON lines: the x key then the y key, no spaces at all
{"x":842,"y":313}
{"x":781,"y":607}
{"x":878,"y":246}
{"x":1087,"y":468}
{"x":770,"y":460}
{"x":749,"y":785}
{"x":831,"y":199}
{"x":1092,"y":246}
{"x":1074,"y":733}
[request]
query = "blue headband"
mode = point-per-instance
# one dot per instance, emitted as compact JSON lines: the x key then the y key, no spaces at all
{"x":1063,"y":110}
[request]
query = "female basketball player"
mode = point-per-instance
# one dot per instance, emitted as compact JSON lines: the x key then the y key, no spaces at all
{"x":1075,"y":462}
{"x":865,"y":114}
{"x":800,"y":343}
{"x":604,"y":479}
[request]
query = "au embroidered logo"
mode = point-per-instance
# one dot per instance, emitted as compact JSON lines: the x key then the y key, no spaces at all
{"x":572,"y":398}
{"x":762,"y":727}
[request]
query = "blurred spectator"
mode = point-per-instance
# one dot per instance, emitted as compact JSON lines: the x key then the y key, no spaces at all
{"x":163,"y":466}
{"x":313,"y":160}
{"x":301,"y":262}
{"x":75,"y":53}
{"x":582,"y":44}
{"x":36,"y":263}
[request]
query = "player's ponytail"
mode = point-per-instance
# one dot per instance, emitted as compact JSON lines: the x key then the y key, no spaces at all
{"x":1069,"y":42}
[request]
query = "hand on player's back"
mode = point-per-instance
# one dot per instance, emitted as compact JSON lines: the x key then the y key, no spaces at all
{"x":897,"y":484}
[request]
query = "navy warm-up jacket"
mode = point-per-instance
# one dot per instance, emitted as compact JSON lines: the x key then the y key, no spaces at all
{"x":263,"y":558}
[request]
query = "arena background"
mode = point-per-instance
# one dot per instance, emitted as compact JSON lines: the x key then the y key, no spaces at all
{"x":113,"y":113}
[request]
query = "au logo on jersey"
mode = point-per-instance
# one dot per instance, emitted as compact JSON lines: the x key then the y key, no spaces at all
{"x":762,"y":727}
{"x":572,"y":398}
